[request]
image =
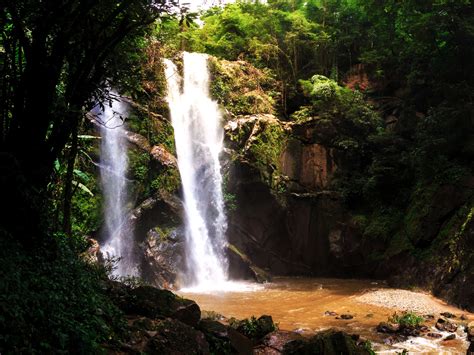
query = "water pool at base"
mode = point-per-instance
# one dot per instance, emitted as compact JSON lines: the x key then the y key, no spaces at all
{"x":301,"y":304}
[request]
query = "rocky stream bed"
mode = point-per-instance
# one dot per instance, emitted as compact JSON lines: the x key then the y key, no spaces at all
{"x":329,"y":317}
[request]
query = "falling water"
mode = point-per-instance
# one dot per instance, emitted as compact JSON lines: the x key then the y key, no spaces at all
{"x":199,"y":141}
{"x":113,"y":168}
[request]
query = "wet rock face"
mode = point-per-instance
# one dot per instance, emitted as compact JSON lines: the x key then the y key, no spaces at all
{"x":291,"y":233}
{"x":449,"y":273}
{"x":163,"y":253}
{"x":286,"y":220}
{"x":242,"y":268}
{"x":307,"y":166}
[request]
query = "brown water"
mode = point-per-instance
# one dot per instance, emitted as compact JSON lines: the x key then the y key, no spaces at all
{"x":300,"y":304}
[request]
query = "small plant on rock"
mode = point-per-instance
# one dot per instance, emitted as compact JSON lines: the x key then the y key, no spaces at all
{"x":406,"y":319}
{"x":254,"y":328}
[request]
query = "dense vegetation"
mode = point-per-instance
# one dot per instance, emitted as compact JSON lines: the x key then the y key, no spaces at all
{"x":411,"y":61}
{"x":57,"y":61}
{"x":392,"y":82}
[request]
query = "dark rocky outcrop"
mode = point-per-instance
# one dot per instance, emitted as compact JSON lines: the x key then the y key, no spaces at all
{"x":289,"y":221}
{"x":175,"y":337}
{"x":446,"y":326}
{"x":159,"y":322}
{"x":241,"y":267}
{"x":286,"y":221}
{"x":445,"y":231}
{"x":225,"y":339}
{"x":333,"y":342}
{"x":153,"y":303}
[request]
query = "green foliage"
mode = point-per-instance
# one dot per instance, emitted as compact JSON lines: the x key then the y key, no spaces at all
{"x":352,"y":119}
{"x":230,"y":201}
{"x":241,"y":88}
{"x":383,"y":224}
{"x":406,"y":319}
{"x":52,"y":301}
{"x":139,"y":168}
{"x":86,"y":198}
{"x":252,"y":327}
{"x":293,"y":39}
{"x":367,"y":346}
{"x":164,"y":232}
{"x":266,"y":150}
{"x":168,"y":180}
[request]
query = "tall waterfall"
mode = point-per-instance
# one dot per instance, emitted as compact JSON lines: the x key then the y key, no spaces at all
{"x":113,"y":168}
{"x":199,"y":141}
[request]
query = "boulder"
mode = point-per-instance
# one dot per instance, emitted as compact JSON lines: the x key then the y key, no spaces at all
{"x":175,"y":337}
{"x":93,"y":254}
{"x":385,"y":327}
{"x":345,"y":316}
{"x":154,"y":303}
{"x":445,"y":326}
{"x":163,"y":257}
{"x":450,"y":337}
{"x":332,"y":342}
{"x":470,"y":331}
{"x":470,"y":350}
{"x":284,"y":341}
{"x":223,"y":338}
{"x":254,"y":328}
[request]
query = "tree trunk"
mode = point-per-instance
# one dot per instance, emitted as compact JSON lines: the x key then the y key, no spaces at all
{"x":68,"y":190}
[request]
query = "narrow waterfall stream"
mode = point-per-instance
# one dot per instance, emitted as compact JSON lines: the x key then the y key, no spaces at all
{"x":199,"y":135}
{"x":113,"y":168}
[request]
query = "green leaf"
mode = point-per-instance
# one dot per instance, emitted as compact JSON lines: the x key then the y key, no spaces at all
{"x":83,"y":187}
{"x":87,"y":136}
{"x":81,"y":175}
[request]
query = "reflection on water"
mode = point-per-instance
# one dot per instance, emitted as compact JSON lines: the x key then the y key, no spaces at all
{"x":301,"y":303}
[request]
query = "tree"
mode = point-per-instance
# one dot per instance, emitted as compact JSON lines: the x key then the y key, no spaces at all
{"x":57,"y":60}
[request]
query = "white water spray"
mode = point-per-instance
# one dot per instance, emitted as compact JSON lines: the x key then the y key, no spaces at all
{"x":113,"y":168}
{"x":199,"y":141}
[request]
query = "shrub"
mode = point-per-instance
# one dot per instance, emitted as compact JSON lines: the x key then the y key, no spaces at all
{"x":406,"y":319}
{"x":52,"y":301}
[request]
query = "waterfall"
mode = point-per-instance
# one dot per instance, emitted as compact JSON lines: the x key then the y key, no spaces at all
{"x":113,"y":168}
{"x":199,"y":135}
